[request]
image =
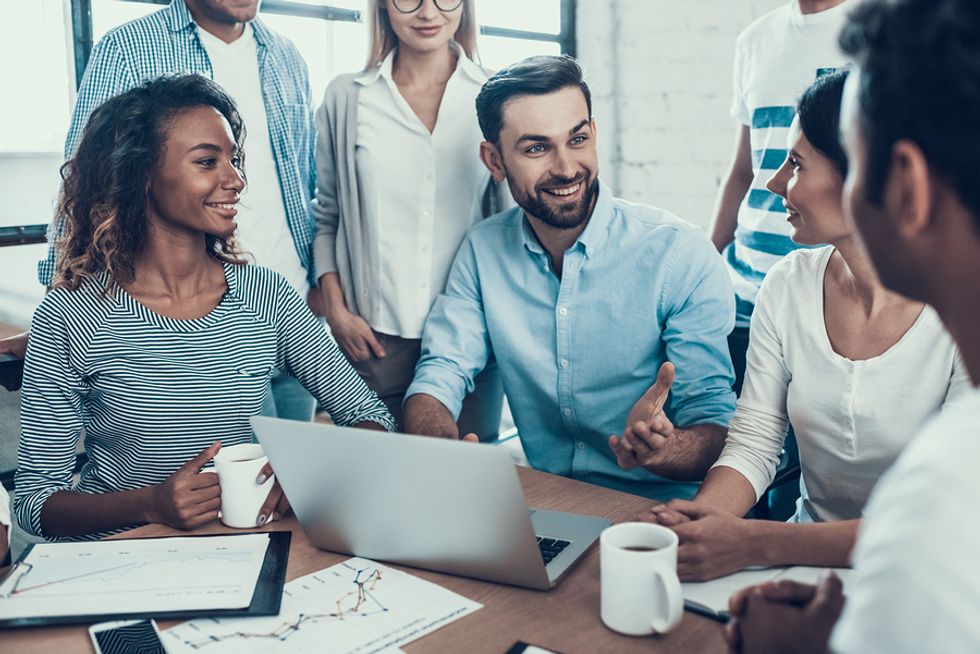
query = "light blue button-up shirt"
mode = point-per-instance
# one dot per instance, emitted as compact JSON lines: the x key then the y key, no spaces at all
{"x":639,"y":287}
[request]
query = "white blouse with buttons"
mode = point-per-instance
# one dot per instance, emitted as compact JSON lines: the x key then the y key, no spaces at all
{"x":851,"y":418}
{"x":423,"y":190}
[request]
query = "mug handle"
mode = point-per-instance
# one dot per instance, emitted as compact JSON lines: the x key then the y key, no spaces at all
{"x":670,"y":588}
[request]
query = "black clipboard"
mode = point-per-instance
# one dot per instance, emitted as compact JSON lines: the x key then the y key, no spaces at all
{"x":265,"y":600}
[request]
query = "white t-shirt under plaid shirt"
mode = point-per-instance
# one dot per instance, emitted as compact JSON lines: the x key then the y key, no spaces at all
{"x":776,"y":59}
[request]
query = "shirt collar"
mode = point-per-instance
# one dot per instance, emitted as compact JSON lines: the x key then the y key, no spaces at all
{"x":593,"y":237}
{"x":470,"y":68}
{"x":799,"y":19}
{"x":180,"y":18}
{"x":596,"y":233}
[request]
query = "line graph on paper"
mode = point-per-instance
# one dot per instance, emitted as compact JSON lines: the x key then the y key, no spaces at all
{"x":129,"y":576}
{"x":355,"y":606}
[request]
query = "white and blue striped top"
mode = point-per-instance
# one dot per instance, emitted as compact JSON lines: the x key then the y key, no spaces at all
{"x":152,"y":392}
{"x":776,"y":59}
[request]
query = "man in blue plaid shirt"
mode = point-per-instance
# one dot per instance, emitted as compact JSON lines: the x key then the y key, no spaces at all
{"x":263,"y":71}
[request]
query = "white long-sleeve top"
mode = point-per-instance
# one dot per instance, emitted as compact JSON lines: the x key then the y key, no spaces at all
{"x":851,"y":418}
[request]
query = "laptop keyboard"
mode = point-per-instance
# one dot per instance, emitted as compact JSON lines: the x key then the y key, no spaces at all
{"x":551,"y":547}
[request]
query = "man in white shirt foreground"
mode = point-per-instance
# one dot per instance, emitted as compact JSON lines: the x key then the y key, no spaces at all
{"x":910,"y":130}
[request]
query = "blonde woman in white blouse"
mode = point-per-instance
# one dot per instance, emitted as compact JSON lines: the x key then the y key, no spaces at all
{"x":852,"y":366}
{"x":399,"y":183}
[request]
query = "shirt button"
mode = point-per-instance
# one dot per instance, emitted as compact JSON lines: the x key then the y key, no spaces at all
{"x":567,"y":412}
{"x":563,"y":311}
{"x":564,"y":363}
{"x":581,"y":445}
{"x":425,"y":213}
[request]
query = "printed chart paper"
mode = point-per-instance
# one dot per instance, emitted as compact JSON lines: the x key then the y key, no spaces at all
{"x":134,"y":576}
{"x":357,"y":606}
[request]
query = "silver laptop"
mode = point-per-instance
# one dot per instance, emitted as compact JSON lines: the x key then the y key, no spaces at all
{"x":424,"y":502}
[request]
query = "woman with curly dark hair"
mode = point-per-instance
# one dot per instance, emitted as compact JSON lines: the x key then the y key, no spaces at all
{"x":157,"y":339}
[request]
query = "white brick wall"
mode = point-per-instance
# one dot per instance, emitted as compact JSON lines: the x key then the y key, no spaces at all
{"x":660,"y":73}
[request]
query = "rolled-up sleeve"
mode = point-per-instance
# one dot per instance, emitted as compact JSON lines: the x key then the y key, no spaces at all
{"x":758,"y":430}
{"x":698,"y":305}
{"x":51,"y":418}
{"x":455,"y":345}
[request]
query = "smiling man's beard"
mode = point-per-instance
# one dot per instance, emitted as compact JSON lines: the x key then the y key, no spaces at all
{"x":566,"y":216}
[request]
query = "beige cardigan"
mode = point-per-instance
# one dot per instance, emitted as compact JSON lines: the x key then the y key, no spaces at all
{"x":344,"y":244}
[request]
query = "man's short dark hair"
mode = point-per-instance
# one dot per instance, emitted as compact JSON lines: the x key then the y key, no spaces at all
{"x":920,"y":80}
{"x":538,"y":75}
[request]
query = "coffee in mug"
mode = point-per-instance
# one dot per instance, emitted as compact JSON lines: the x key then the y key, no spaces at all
{"x":640,"y":591}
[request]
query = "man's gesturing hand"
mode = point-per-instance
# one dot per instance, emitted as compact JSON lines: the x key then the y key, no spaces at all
{"x":648,"y":429}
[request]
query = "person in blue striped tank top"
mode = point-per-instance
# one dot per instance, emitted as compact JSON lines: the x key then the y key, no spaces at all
{"x":776,"y":59}
{"x":156,"y":339}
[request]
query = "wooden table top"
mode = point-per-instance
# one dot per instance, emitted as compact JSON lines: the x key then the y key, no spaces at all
{"x":564,"y":619}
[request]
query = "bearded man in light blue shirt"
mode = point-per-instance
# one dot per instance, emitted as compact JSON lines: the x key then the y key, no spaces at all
{"x":584,"y":299}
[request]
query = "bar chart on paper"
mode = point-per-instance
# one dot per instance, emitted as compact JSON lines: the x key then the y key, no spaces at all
{"x":355,"y":606}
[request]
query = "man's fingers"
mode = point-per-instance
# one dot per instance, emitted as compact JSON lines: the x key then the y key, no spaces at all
{"x":619,"y":444}
{"x":471,"y":438}
{"x":788,"y":592}
{"x":660,"y":426}
{"x":828,"y":599}
{"x":644,"y":440}
{"x":194,"y":465}
{"x":625,"y":456}
{"x":732,"y":636}
{"x":665,"y":379}
{"x":737,"y":602}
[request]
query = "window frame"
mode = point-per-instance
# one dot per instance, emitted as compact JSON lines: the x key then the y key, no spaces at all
{"x":82,"y":43}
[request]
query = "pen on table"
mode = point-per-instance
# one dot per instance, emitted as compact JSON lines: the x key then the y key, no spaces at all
{"x":700,"y":609}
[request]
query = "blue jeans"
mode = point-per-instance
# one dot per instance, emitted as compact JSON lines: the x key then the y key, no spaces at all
{"x":287,"y":398}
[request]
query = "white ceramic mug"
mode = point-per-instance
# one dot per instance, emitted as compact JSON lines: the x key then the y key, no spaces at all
{"x":640,"y":591}
{"x":241,"y":498}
